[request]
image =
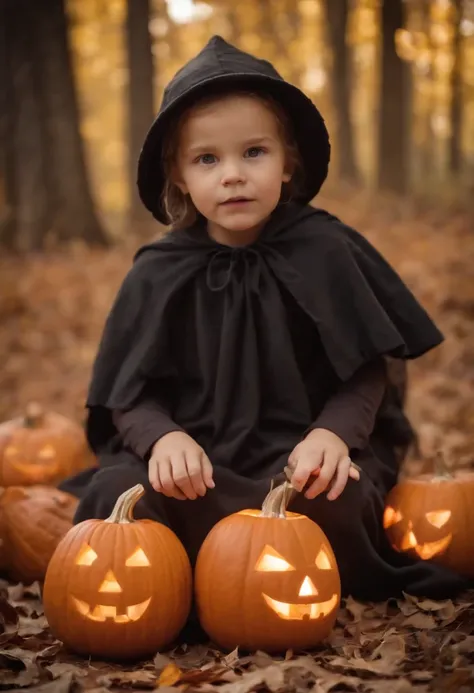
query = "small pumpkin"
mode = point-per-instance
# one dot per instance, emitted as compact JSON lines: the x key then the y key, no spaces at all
{"x":267,"y":579}
{"x":118,"y":588}
{"x":431,"y":517}
{"x":41,"y":448}
{"x":33,"y":520}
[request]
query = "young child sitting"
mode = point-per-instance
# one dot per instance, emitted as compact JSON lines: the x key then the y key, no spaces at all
{"x":258,"y":332}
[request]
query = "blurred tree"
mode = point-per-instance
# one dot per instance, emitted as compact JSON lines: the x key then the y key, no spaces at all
{"x":140,"y":93}
{"x":337,"y":12}
{"x":393,"y":152}
{"x":455,"y":150}
{"x":47,"y":184}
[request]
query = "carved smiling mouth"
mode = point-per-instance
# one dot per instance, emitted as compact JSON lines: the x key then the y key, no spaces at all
{"x":35,"y":472}
{"x":430,"y":549}
{"x":298,"y":612}
{"x":101,"y":613}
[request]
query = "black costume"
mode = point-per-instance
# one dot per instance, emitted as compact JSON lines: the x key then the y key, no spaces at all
{"x":246,"y":348}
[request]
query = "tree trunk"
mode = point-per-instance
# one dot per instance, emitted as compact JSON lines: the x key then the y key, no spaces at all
{"x":393,"y":155}
{"x":6,"y":130}
{"x":455,"y":148}
{"x":76,"y":215}
{"x":27,"y":179}
{"x":337,"y":12}
{"x":140,"y":94}
{"x":267,"y":27}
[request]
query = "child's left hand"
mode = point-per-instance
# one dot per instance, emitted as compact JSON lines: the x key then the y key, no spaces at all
{"x":324,"y":455}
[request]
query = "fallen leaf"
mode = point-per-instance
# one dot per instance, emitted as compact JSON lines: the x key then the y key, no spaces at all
{"x":129,"y":679}
{"x":391,"y":651}
{"x":170,"y":675}
{"x":355,"y":608}
{"x":420,"y":621}
{"x":160,"y":661}
{"x":23,"y":679}
{"x":16,"y":658}
{"x":232,"y":658}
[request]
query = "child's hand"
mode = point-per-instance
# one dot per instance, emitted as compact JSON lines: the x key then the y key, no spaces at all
{"x":179,"y":467}
{"x":324,"y":455}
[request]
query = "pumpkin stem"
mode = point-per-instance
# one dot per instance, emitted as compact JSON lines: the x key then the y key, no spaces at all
{"x":276,"y":501}
{"x":123,"y":509}
{"x":439,"y":467}
{"x":33,"y":415}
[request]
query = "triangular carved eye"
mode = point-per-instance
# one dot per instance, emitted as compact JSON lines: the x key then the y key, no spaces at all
{"x":391,"y":517}
{"x":438,"y":518}
{"x":138,"y":558}
{"x":323,"y":562}
{"x":86,"y":555}
{"x":271,"y":561}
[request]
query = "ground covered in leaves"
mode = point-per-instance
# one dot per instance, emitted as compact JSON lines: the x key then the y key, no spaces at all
{"x":52,"y":309}
{"x":392,"y":647}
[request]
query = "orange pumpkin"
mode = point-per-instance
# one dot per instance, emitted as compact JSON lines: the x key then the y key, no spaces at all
{"x":33,"y":520}
{"x":118,"y":588}
{"x":41,"y":448}
{"x":267,"y":579}
{"x":431,"y":517}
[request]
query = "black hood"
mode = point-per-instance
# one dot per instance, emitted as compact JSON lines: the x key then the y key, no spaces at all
{"x":218,"y":66}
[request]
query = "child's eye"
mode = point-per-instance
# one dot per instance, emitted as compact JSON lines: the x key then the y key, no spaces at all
{"x":253,"y":152}
{"x":206,"y":159}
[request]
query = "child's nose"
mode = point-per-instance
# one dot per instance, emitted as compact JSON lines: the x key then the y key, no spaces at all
{"x":232,"y":174}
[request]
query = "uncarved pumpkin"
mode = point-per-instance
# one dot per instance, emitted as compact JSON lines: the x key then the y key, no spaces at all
{"x":41,"y":448}
{"x":33,"y":521}
{"x":118,"y":588}
{"x":267,"y":579}
{"x":431,"y":517}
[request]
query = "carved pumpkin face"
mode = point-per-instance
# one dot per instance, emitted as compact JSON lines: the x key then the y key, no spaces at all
{"x":287,"y":572}
{"x":37,"y":464}
{"x":114,"y":599}
{"x":431,"y":517}
{"x":41,"y":448}
{"x":118,"y":588}
{"x":307,"y":604}
{"x":409,"y":540}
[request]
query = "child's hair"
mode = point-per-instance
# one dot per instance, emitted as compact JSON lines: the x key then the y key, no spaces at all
{"x":178,"y":206}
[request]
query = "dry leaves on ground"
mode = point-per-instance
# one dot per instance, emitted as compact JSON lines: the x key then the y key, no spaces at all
{"x":394,"y":647}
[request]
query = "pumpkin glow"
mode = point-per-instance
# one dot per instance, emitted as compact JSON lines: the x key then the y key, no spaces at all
{"x":118,"y":588}
{"x":285,"y":571}
{"x":431,"y":517}
{"x":41,"y":448}
{"x":110,"y":585}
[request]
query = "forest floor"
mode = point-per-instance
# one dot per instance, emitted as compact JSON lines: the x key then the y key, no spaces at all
{"x":52,"y":309}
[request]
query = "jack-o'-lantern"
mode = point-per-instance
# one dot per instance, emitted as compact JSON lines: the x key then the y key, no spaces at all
{"x":118,"y":588}
{"x":267,"y":579}
{"x":41,"y":448}
{"x":33,"y":520}
{"x":431,"y":517}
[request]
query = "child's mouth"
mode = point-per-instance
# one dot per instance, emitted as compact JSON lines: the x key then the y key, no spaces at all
{"x":236,"y":201}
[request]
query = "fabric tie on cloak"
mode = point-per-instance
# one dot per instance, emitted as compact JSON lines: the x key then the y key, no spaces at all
{"x":227,"y":261}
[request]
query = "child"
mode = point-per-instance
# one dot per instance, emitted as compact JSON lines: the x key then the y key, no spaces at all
{"x":257,"y":332}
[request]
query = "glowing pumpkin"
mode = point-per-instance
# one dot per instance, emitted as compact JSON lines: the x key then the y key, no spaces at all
{"x":431,"y":517}
{"x":267,"y":580}
{"x":41,"y":448}
{"x":118,"y":588}
{"x":33,"y":520}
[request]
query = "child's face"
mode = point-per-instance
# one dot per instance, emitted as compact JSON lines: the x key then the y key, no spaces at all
{"x":231,"y":161}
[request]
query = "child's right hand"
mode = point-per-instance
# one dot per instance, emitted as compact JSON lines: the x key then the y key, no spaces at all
{"x":179,"y":467}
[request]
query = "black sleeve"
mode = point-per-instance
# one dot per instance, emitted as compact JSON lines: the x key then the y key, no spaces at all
{"x":350,"y":413}
{"x":142,"y":426}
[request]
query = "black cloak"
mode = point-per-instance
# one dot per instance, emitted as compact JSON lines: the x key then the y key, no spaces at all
{"x":205,"y":329}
